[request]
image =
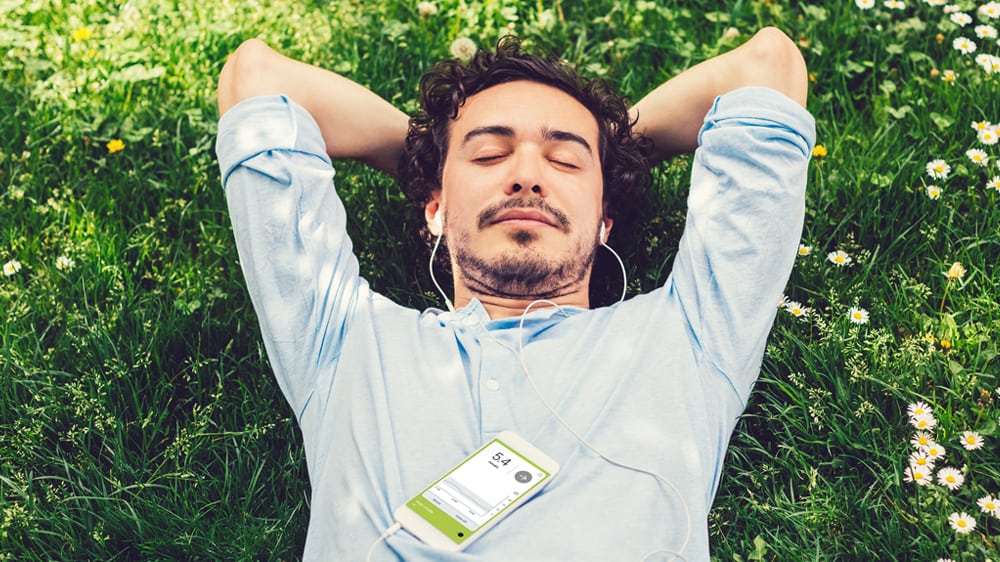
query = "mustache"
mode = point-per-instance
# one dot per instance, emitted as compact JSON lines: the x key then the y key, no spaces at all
{"x":487,"y":216}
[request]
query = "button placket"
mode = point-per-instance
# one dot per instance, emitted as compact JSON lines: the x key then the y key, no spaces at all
{"x":494,"y":395}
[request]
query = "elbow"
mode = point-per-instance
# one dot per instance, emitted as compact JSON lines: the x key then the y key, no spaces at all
{"x":775,"y":61}
{"x":241,"y":73}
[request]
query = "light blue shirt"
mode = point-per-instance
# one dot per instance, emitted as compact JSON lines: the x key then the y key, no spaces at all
{"x":389,"y":398}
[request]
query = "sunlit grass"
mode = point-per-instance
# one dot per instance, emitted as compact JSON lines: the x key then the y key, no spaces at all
{"x":138,"y":416}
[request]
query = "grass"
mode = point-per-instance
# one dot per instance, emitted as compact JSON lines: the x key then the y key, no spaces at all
{"x":138,"y":418}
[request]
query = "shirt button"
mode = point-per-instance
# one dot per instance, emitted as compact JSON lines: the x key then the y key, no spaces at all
{"x":493,"y":385}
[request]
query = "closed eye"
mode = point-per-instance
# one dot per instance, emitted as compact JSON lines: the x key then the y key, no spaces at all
{"x":487,"y":159}
{"x":565,"y":164}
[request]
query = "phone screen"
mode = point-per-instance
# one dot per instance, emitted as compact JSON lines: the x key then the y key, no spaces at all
{"x":477,"y":490}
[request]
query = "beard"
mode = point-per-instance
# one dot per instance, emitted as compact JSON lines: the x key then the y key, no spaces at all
{"x":523,"y":271}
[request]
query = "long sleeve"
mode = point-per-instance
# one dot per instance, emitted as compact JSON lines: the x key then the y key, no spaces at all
{"x":290,"y":232}
{"x":745,"y":215}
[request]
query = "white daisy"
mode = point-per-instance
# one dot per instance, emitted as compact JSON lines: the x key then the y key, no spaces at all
{"x":805,"y":250}
{"x":991,"y":63}
{"x":917,"y":474}
{"x":994,"y":183}
{"x":938,"y":169}
{"x":986,"y":32}
{"x":962,"y":522}
{"x":858,"y":315}
{"x":796,"y":309}
{"x":839,"y":258}
{"x":990,"y":10}
{"x":894,"y":4}
{"x":923,"y":421}
{"x":960,"y":18}
{"x":865,"y":4}
{"x":964,"y":45}
{"x":950,"y":477}
{"x":934,"y":451}
{"x":921,"y":439}
{"x":64,"y":263}
{"x":11,"y":267}
{"x":933,"y":191}
{"x":972,"y":440}
{"x":918,"y":408}
{"x":920,"y":459}
{"x":989,"y":505}
{"x":988,"y":136}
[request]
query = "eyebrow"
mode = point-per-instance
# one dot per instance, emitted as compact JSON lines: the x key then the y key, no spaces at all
{"x":547,"y":134}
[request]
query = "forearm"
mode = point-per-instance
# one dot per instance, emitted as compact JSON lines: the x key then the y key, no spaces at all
{"x":355,"y":122}
{"x":672,"y":114}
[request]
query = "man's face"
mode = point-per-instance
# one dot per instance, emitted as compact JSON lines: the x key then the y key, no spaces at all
{"x":521,"y":192}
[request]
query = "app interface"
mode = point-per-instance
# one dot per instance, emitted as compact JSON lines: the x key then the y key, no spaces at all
{"x":484,"y":485}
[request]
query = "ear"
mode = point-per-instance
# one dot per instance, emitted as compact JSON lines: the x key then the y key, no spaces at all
{"x":605,"y":232}
{"x":434,"y":214}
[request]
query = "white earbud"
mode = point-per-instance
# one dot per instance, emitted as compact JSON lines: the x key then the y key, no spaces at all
{"x":436,"y":222}
{"x":604,"y":230}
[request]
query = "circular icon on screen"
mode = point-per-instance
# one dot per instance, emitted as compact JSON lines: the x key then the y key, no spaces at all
{"x":522,"y":476}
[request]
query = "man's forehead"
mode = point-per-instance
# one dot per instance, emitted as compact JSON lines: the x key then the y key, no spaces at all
{"x":525,"y":106}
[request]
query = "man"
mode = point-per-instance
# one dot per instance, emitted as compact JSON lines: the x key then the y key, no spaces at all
{"x":636,"y":401}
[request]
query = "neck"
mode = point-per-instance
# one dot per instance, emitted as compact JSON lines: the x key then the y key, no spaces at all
{"x":512,"y":306}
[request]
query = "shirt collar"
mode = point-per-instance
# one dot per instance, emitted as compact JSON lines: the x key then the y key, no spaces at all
{"x":538,"y":318}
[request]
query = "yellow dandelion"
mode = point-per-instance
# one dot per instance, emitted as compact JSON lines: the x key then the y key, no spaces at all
{"x":115,"y":145}
{"x":82,"y":34}
{"x":819,"y":151}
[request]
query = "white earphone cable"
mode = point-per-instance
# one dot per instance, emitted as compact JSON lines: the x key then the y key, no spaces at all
{"x":385,"y":535}
{"x":519,"y":353}
{"x":620,"y":264}
{"x":430,"y":267}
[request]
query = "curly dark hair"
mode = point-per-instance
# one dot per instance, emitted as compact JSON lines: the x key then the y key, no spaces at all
{"x":445,"y":88}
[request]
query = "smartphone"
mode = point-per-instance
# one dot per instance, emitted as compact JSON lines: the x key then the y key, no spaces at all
{"x":475,"y":495}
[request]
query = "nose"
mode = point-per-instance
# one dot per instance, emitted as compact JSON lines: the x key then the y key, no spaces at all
{"x":516,"y":188}
{"x":526,"y":176}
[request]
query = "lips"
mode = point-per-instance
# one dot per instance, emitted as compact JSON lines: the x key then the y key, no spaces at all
{"x":523,"y":215}
{"x":526,"y":212}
